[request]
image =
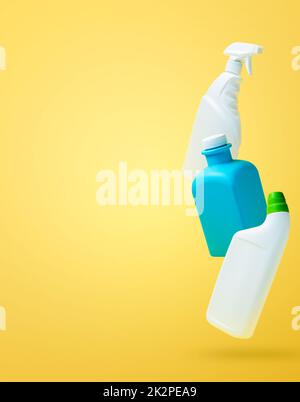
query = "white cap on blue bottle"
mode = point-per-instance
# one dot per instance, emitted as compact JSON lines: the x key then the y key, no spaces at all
{"x":214,"y":141}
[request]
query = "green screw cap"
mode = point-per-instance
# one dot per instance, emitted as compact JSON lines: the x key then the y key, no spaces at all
{"x":277,"y":203}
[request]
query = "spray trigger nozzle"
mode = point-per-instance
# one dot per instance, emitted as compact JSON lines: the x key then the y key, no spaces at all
{"x":248,"y":65}
{"x":243,"y":52}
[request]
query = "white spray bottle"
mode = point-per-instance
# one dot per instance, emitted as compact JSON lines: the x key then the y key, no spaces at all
{"x":218,"y":110}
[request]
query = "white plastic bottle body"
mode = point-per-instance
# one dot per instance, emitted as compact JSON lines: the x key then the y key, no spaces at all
{"x":218,"y":114}
{"x":247,"y":275}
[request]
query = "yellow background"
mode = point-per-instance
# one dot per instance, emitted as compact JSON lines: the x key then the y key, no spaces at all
{"x":97,"y":293}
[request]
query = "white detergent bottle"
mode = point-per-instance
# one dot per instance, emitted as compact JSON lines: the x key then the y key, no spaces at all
{"x":218,"y":110}
{"x":248,"y":272}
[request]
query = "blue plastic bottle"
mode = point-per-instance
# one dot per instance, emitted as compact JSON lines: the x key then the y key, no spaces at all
{"x":228,"y":194}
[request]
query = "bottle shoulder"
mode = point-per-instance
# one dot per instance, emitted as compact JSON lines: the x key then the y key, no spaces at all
{"x":272,"y":232}
{"x":228,"y":171}
{"x":242,"y":164}
{"x":225,"y":79}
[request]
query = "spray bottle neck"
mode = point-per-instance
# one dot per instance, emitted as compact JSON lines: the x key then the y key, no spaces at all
{"x":234,"y":66}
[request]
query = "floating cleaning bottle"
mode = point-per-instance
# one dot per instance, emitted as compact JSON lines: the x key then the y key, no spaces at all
{"x":228,"y":195}
{"x":218,"y":110}
{"x":248,"y":272}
